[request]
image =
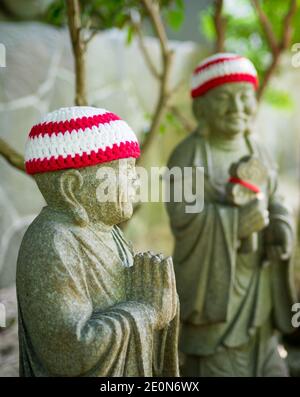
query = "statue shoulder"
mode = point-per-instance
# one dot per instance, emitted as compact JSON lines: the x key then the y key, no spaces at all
{"x":45,"y":239}
{"x":184,"y":153}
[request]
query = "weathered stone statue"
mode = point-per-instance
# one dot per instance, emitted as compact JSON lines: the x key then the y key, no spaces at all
{"x":87,"y":305}
{"x":232,"y":260}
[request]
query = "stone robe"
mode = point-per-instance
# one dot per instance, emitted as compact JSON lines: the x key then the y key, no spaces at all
{"x":74,"y":316}
{"x":230,"y":302}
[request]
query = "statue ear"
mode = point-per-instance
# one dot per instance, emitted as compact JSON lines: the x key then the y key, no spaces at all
{"x":70,"y":182}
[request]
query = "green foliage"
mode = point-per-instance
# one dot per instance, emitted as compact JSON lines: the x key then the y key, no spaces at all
{"x":175,"y":15}
{"x":279,"y":99}
{"x":106,"y":14}
{"x":56,"y":13}
{"x":130,"y":33}
{"x":206,"y":24}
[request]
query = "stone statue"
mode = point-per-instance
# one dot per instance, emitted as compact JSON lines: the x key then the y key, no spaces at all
{"x":87,"y":305}
{"x":235,"y":290}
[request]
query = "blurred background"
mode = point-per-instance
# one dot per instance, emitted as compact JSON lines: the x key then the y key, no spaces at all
{"x":134,"y":58}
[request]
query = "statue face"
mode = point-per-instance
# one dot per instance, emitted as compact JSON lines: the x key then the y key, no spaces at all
{"x":228,"y":109}
{"x":79,"y":192}
{"x":108,"y":191}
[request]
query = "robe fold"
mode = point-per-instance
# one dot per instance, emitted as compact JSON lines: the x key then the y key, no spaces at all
{"x":226,"y":297}
{"x":74,"y":316}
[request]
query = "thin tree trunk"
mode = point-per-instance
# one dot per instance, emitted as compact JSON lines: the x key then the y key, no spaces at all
{"x":79,"y":51}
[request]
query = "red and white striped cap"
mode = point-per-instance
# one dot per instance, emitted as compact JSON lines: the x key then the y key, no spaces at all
{"x":220,"y":69}
{"x":76,"y":137}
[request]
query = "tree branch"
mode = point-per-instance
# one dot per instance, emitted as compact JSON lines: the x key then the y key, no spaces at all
{"x":145,"y":52}
{"x":267,"y":27}
{"x":90,"y":38}
{"x":220,"y":25}
{"x":267,"y":76}
{"x":276,"y":48}
{"x":12,"y":156}
{"x":152,"y":9}
{"x":79,"y":48}
{"x":287,"y":25}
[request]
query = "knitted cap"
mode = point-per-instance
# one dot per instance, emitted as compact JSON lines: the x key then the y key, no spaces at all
{"x":220,"y":69}
{"x":76,"y":137}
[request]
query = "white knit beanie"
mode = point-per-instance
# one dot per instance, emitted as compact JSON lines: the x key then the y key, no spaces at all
{"x":76,"y":137}
{"x":220,"y":69}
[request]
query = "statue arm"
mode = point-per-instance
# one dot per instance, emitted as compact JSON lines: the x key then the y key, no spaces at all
{"x":188,"y":155}
{"x":281,"y":229}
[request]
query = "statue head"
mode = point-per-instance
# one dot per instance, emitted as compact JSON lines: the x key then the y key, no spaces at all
{"x":224,"y":94}
{"x":83,"y":160}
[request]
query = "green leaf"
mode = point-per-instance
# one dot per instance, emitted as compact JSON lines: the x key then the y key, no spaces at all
{"x":170,"y":118}
{"x":130,"y":32}
{"x":56,"y":13}
{"x":206,"y":25}
{"x":175,"y":19}
{"x":162,"y":128}
{"x":279,"y":99}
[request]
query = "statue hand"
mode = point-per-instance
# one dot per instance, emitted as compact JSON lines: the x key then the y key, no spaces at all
{"x":279,"y":240}
{"x":253,"y":217}
{"x":152,"y":281}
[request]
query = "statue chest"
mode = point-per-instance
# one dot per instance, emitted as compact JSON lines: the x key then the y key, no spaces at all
{"x":103,"y":269}
{"x":222,"y":160}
